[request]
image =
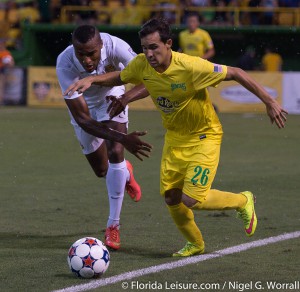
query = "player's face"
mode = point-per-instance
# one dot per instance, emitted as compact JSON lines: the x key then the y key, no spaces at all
{"x":157,"y":52}
{"x":192,"y":23}
{"x":89,"y":54}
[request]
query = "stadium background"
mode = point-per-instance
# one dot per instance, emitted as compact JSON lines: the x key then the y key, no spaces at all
{"x":46,"y":31}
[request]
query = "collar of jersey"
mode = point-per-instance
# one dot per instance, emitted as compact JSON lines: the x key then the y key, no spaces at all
{"x":168,"y":69}
{"x":103,"y":54}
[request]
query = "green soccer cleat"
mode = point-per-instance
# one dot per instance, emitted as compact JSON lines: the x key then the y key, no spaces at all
{"x":190,"y":249}
{"x":247,"y":214}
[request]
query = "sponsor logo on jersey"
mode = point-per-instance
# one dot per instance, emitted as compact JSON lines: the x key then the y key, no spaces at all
{"x":166,"y":105}
{"x":178,"y":86}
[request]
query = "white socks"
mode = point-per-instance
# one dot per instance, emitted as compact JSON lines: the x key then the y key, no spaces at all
{"x":116,"y":178}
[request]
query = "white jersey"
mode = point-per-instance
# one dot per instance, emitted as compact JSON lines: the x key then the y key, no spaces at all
{"x":115,"y":55}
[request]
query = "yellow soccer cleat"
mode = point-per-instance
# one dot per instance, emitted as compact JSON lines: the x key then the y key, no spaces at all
{"x":247,"y":214}
{"x":190,"y":249}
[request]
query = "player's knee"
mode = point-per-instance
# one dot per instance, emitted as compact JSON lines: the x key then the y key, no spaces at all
{"x":101,"y":172}
{"x":172,"y":198}
{"x":116,"y":153}
{"x":169,"y":201}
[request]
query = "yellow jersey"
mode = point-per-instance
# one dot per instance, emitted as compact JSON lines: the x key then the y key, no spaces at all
{"x":196,"y":43}
{"x":272,"y":62}
{"x":181,"y":96}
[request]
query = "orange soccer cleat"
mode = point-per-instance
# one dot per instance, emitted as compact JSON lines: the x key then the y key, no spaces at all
{"x":132,"y":187}
{"x":112,"y":237}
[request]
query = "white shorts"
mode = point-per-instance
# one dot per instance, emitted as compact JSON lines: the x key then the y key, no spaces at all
{"x":90,"y":143}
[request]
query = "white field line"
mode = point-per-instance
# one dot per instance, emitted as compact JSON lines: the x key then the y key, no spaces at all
{"x":180,"y":263}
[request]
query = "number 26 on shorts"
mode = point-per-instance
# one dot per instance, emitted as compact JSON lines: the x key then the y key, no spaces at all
{"x":201,"y":175}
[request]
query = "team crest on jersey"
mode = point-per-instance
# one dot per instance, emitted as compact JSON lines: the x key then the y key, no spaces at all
{"x":177,"y":86}
{"x":166,"y":105}
{"x":110,"y":68}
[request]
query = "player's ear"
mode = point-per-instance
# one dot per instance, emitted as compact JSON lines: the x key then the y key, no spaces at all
{"x":169,"y":43}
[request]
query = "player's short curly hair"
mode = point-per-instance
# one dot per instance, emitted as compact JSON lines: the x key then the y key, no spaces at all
{"x":160,"y":25}
{"x":84,"y":33}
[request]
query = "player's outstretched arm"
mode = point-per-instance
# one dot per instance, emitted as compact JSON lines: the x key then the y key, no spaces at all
{"x":131,"y":142}
{"x":276,"y":113}
{"x":109,"y":79}
{"x":119,"y":103}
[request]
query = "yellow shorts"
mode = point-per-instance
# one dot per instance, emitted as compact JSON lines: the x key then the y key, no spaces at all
{"x":191,"y":169}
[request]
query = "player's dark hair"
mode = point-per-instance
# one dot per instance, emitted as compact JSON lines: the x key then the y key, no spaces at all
{"x":193,"y":14}
{"x":84,"y":33}
{"x":157,"y":24}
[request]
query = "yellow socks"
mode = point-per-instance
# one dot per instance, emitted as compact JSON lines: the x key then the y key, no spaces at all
{"x":184,"y":220}
{"x":218,"y":200}
{"x":183,"y":216}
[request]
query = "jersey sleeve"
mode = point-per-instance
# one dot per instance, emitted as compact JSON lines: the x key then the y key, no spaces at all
{"x":133,"y":72}
{"x":65,"y":79}
{"x":123,"y":52}
{"x":207,"y":74}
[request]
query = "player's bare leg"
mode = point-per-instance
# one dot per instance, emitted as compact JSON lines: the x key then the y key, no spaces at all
{"x":108,"y":161}
{"x":116,"y":155}
{"x":98,"y":160}
{"x":99,"y":163}
{"x":118,"y":176}
{"x":115,"y":182}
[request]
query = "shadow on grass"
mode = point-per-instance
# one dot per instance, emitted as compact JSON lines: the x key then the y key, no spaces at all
{"x":17,"y":240}
{"x":146,"y":252}
{"x":34,"y":241}
{"x":67,"y":276}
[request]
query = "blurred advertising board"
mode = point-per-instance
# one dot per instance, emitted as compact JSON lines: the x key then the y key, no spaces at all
{"x":230,"y":96}
{"x":291,"y":92}
{"x":43,"y":90}
{"x":12,"y":86}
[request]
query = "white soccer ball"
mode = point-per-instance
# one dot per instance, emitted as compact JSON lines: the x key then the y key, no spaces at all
{"x":88,"y":258}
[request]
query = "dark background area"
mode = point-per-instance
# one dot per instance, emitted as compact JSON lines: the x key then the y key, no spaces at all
{"x":43,"y":42}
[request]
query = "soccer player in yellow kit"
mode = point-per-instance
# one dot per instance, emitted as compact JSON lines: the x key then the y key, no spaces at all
{"x":271,"y":61}
{"x":195,"y":41}
{"x":178,"y":85}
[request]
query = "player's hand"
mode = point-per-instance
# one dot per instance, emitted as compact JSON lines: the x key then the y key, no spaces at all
{"x":117,"y":105}
{"x":136,"y":146}
{"x":80,"y":86}
{"x":277,"y":114}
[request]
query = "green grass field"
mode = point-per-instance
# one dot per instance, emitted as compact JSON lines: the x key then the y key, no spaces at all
{"x":50,"y":198}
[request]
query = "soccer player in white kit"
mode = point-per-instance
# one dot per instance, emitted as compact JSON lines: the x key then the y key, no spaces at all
{"x":102,"y":139}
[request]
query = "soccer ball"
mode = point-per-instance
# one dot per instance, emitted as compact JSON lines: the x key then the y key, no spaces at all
{"x":88,"y":258}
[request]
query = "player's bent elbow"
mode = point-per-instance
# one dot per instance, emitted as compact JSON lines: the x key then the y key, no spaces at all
{"x":233,"y":73}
